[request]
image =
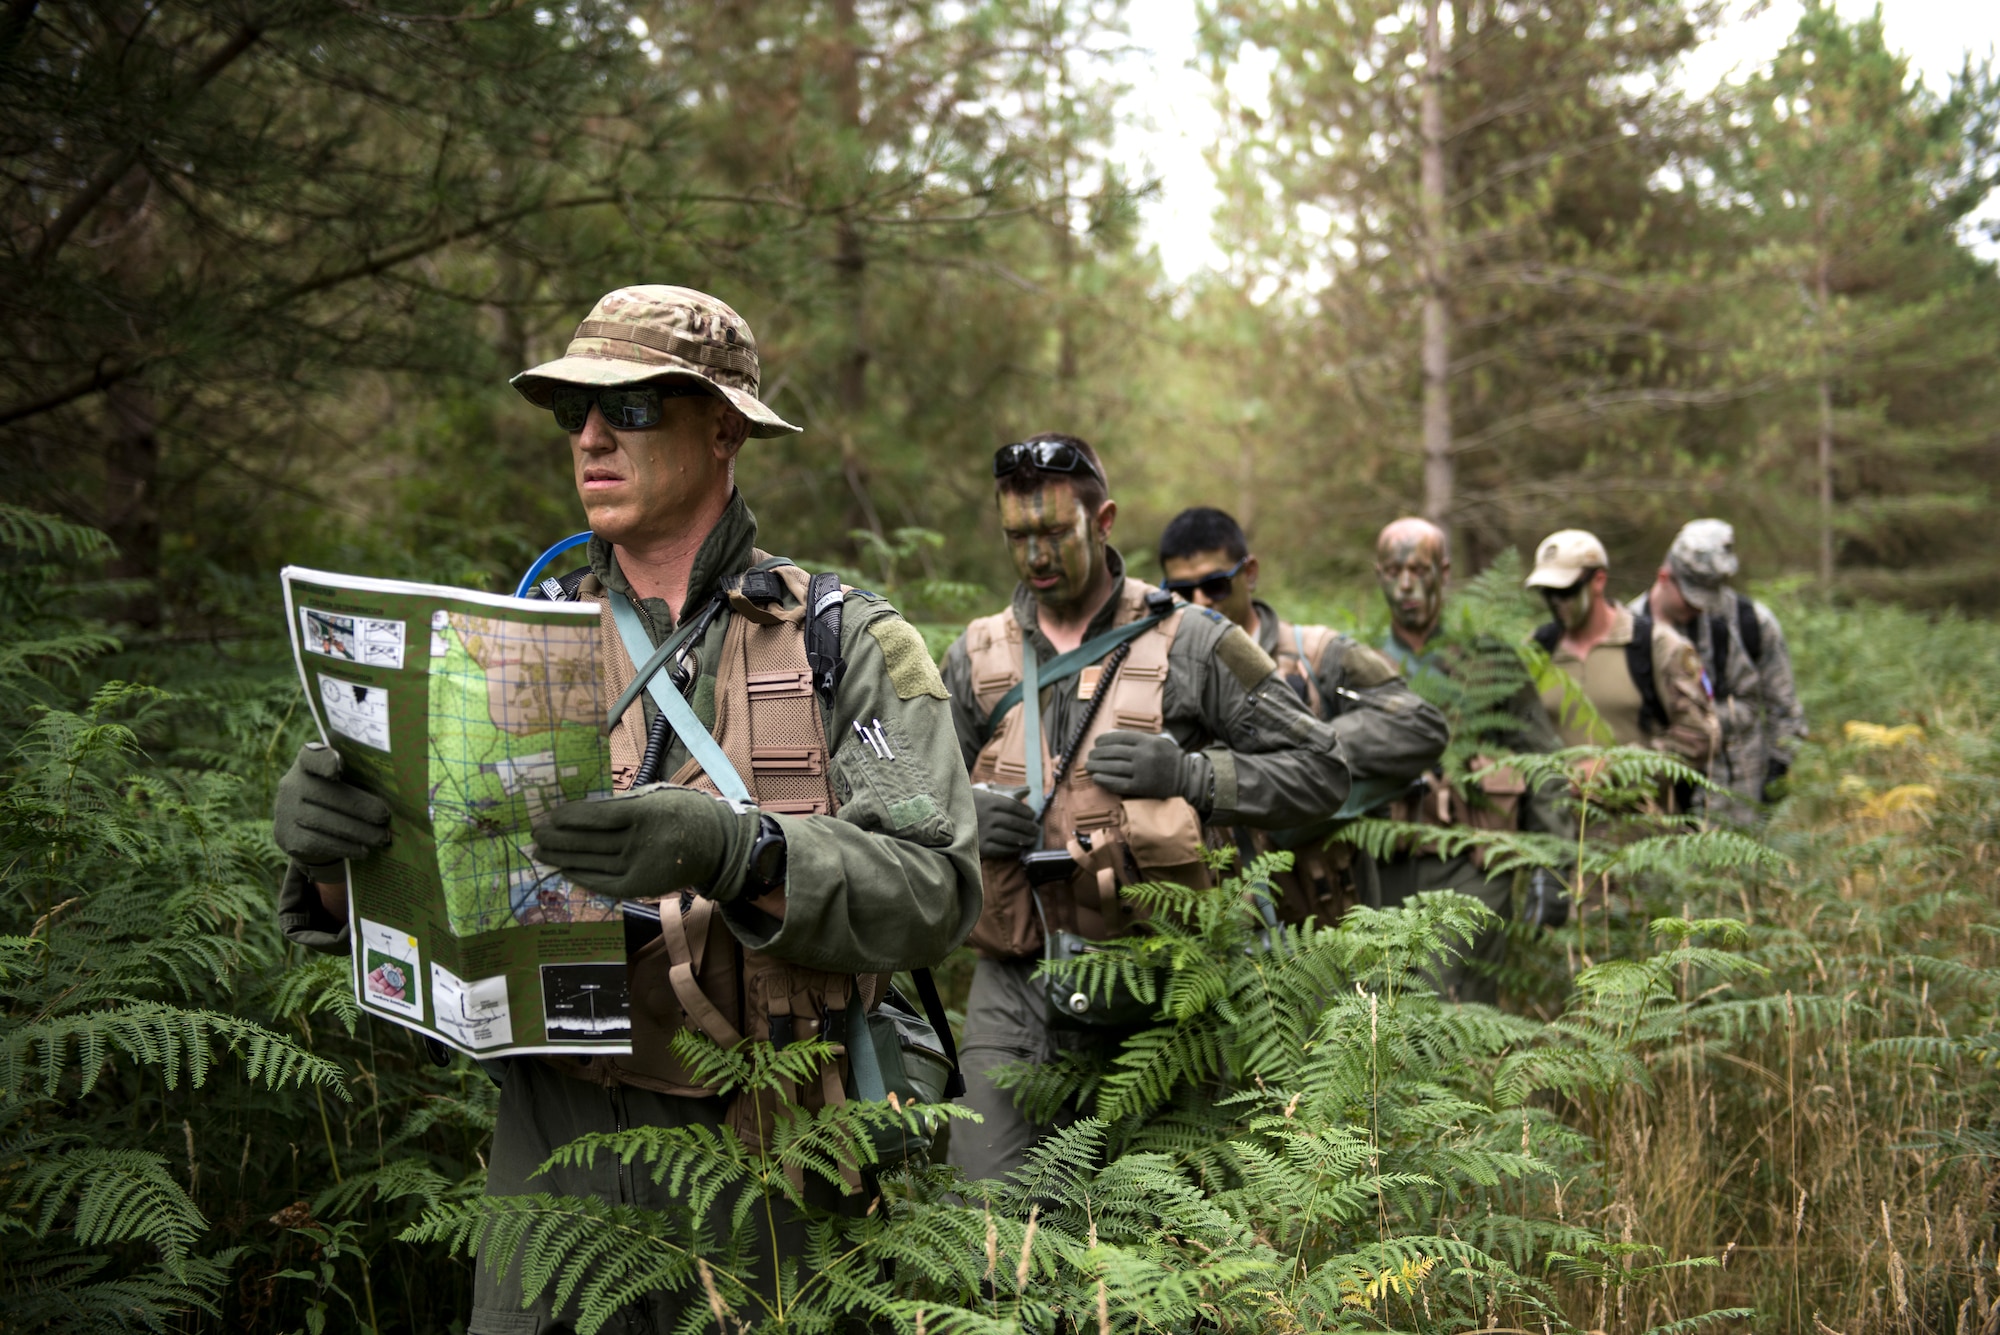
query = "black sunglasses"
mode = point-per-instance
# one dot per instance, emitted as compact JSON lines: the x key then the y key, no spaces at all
{"x":1570,"y":592}
{"x":1050,"y":456}
{"x":625,"y":407}
{"x":1214,"y":587}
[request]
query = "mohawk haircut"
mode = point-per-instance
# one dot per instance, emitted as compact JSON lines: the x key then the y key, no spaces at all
{"x":1090,"y":491}
{"x":1202,"y":529}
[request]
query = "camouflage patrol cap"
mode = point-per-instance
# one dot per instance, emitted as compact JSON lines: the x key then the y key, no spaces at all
{"x":1702,"y":560}
{"x":646,"y":333}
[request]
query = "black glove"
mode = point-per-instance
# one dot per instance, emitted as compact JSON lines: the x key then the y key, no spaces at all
{"x":319,"y":820}
{"x":1007,"y":825}
{"x":1775,"y":770}
{"x":1547,"y":902}
{"x":1146,"y":764}
{"x":647,"y":844}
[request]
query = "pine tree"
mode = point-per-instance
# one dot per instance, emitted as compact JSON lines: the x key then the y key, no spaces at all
{"x":1879,"y":331}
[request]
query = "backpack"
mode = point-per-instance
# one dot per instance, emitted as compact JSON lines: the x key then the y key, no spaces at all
{"x":1749,"y":633}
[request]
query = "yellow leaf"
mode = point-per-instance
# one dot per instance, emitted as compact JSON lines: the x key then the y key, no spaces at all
{"x":1875,"y":736}
{"x":1913,"y":799}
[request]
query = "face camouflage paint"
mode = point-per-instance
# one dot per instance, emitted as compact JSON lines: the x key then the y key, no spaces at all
{"x":1057,"y":551}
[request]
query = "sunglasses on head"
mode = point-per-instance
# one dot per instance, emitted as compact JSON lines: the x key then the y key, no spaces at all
{"x":625,"y":407}
{"x":1214,"y":586}
{"x":1049,"y":456}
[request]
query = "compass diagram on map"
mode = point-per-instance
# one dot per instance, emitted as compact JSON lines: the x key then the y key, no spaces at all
{"x":516,"y":727}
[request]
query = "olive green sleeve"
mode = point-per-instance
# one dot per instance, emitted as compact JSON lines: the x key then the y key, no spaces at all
{"x":1388,"y":730}
{"x":1276,"y":766}
{"x":304,"y":919}
{"x":891,"y":879}
{"x":966,"y":724}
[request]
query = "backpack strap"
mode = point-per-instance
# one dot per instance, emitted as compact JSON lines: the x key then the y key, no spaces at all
{"x":927,"y":992}
{"x":1549,"y":634}
{"x":1718,"y":652}
{"x":557,"y":588}
{"x":1639,"y":662}
{"x":824,"y":599}
{"x":1749,"y":629}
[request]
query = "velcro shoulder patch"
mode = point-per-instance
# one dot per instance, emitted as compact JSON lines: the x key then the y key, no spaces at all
{"x":1365,"y":667}
{"x":1248,"y":663}
{"x":911,"y":670}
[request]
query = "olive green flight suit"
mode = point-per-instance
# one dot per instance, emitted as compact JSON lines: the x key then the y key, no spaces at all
{"x":890,"y":881}
{"x":1275,"y":766}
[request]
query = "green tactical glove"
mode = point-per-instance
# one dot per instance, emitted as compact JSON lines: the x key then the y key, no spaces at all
{"x":1148,"y":764}
{"x":318,"y":819}
{"x":1007,"y":825}
{"x":657,"y":841}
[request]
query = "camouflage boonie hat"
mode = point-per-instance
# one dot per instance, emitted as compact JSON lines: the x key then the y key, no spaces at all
{"x":1703,"y":559}
{"x":646,"y":333}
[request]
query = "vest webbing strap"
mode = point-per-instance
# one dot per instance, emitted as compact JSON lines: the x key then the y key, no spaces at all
{"x":1064,"y":666}
{"x":673,"y":705}
{"x":1030,"y":687}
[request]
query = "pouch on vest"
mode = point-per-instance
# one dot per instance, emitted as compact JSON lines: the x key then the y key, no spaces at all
{"x":910,"y":1063}
{"x":1098,"y":1007}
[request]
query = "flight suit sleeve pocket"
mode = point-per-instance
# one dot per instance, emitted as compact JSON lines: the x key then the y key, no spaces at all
{"x":883,"y":789}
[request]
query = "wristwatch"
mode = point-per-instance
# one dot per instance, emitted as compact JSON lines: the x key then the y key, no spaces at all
{"x":766,"y":869}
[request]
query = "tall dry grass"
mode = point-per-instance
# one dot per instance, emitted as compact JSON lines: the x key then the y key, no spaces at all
{"x":1830,"y":1140}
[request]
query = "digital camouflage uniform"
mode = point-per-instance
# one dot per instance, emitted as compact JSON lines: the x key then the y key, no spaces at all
{"x":888,"y":882}
{"x":1274,"y":765}
{"x":1504,"y":802}
{"x":1756,"y":701}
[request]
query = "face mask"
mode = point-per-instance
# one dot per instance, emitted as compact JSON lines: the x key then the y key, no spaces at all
{"x":1571,"y":609}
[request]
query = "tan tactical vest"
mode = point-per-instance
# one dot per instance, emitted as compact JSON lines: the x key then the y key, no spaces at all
{"x":1115,"y":841}
{"x":1299,"y":648}
{"x":696,"y":975}
{"x":1501,"y":790}
{"x":1321,"y":883}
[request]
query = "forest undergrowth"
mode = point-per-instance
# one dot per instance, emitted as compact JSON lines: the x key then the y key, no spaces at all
{"x":1751,"y":1085}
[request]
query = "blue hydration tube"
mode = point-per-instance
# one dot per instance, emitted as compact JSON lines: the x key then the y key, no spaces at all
{"x":547,"y":558}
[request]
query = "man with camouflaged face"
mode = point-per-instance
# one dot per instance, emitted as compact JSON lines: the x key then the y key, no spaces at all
{"x":859,"y":860}
{"x":1105,"y":723}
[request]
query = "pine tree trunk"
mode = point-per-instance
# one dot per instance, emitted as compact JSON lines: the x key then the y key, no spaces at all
{"x":850,"y":261}
{"x":1825,"y":388}
{"x":132,"y":503}
{"x":1436,"y":352}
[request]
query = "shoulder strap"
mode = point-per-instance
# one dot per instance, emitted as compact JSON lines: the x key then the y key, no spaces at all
{"x":673,"y":705}
{"x":1749,"y":629}
{"x":1064,"y":666}
{"x":1718,"y":652}
{"x":824,"y":599}
{"x":557,"y":588}
{"x":1549,"y":634}
{"x":927,"y":992}
{"x":1639,"y":662}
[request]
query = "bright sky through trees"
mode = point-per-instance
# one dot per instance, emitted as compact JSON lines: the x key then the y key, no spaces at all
{"x":1172,"y":121}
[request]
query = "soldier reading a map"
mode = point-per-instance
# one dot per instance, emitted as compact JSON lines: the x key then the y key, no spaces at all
{"x":850,"y":848}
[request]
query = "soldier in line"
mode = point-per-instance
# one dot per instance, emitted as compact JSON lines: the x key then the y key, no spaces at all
{"x":1413,"y":568}
{"x":1104,"y":723}
{"x":1639,"y":674}
{"x":1391,"y":734}
{"x":861,"y":861}
{"x":1743,"y":648}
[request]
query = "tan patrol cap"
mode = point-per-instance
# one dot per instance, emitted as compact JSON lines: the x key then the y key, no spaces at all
{"x":1565,"y":557}
{"x":646,"y":333}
